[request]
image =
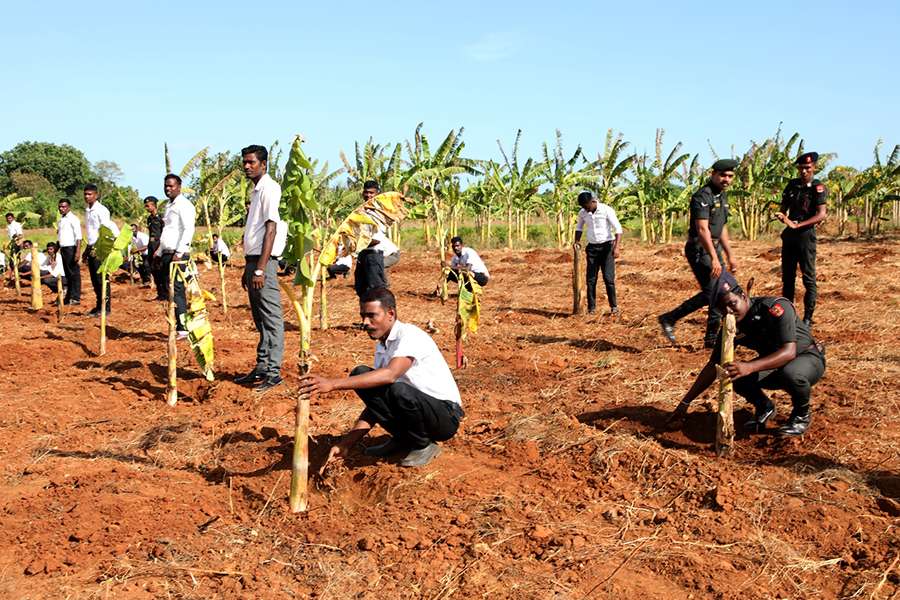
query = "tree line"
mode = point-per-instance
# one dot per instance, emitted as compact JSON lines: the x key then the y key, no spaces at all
{"x":650,"y":190}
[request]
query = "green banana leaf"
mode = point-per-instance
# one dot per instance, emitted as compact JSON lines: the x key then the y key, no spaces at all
{"x":109,"y":248}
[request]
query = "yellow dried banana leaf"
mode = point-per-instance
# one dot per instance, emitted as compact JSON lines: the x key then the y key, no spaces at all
{"x":356,"y":231}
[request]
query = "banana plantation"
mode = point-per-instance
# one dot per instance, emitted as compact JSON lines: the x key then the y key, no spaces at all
{"x":501,"y":202}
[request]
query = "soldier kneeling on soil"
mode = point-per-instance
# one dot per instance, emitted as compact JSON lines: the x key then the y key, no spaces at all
{"x":789,"y":358}
{"x":410,"y":392}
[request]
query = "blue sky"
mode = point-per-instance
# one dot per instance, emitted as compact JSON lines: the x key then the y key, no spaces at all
{"x":118,"y":79}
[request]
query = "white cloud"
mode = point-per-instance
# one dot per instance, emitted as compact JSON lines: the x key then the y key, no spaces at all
{"x":495,"y":46}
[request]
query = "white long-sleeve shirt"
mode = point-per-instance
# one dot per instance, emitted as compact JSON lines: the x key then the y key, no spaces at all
{"x":94,"y":217}
{"x":68,"y":230}
{"x":178,"y":225}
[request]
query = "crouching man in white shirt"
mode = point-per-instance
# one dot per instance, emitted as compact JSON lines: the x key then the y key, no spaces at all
{"x":410,"y":392}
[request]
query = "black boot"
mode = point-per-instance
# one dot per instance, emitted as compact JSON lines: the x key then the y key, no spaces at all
{"x":668,"y":327}
{"x":712,"y":334}
{"x":763,"y":414}
{"x":796,"y":425}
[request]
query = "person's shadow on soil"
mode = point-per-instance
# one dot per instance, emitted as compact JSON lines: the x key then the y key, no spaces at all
{"x":594,"y":345}
{"x":699,"y":428}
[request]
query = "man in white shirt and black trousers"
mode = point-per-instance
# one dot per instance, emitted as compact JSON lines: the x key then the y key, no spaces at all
{"x":69,"y":239}
{"x":265,"y":235}
{"x":95,"y":216}
{"x":381,"y":254}
{"x":410,"y":392}
{"x":175,"y":244}
{"x":604,"y":237}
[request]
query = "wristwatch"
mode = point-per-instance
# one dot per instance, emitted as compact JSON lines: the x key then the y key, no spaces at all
{"x":258,"y":273}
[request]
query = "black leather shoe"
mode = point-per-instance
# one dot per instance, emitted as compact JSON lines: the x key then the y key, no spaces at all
{"x":710,"y":343}
{"x":268,"y":383}
{"x":796,"y":426}
{"x":668,"y":328}
{"x":808,"y":323}
{"x":251,"y":377}
{"x":757,"y":422}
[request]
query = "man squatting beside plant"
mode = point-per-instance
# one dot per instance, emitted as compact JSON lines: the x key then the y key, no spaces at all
{"x":410,"y":392}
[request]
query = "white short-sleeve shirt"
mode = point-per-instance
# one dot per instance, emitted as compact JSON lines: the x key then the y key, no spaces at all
{"x":467,"y":256}
{"x":429,"y":372}
{"x":68,"y":230}
{"x":600,"y":226}
{"x":264,"y":201}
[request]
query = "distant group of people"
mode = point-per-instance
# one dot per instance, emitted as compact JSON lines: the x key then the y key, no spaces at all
{"x":410,"y":390}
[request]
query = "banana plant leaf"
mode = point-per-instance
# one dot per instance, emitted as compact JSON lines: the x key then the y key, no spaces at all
{"x":467,"y":303}
{"x":196,"y":321}
{"x":356,"y":231}
{"x":109,"y":248}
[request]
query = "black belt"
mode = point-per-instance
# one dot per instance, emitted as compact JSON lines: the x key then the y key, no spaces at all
{"x":255,"y":258}
{"x":154,"y":239}
{"x":696,"y":240}
{"x":603,"y":243}
{"x":168,"y":252}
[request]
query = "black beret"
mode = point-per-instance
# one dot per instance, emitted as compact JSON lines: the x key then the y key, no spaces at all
{"x":725,"y":164}
{"x":151,"y":199}
{"x":810,"y":158}
{"x":725,"y":284}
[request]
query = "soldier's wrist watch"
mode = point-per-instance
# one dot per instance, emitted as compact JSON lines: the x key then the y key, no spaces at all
{"x":259,"y":273}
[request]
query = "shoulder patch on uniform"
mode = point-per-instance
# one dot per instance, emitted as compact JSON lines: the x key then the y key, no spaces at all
{"x":777,"y":310}
{"x":820,"y":188}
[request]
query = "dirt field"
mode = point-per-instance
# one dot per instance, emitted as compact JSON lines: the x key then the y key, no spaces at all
{"x":563,"y":481}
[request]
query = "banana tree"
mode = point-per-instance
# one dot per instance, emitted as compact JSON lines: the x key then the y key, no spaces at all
{"x":434,"y":173}
{"x":369,"y":164}
{"x":298,"y":196}
{"x":468,"y":309}
{"x":108,"y":249}
{"x":513,"y":185}
{"x":564,"y":179}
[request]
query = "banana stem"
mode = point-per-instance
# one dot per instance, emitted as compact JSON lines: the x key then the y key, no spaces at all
{"x":172,"y":348}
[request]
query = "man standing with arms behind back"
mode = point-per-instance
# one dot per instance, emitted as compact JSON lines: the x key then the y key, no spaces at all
{"x":265,"y":235}
{"x":604,"y":236}
{"x":154,"y":233}
{"x":175,"y":245}
{"x":802,"y":207}
{"x":69,"y":238}
{"x":707,"y":238}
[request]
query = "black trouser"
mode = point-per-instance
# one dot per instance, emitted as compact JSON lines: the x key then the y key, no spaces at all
{"x":798,"y":247}
{"x":143,"y":267}
{"x":159,"y":278}
{"x":600,"y":257}
{"x":52,"y":282}
{"x":180,"y":300}
{"x":409,"y":415}
{"x":480,"y":278}
{"x":796,"y":378}
{"x":370,"y":273}
{"x":96,"y":282}
{"x":701,"y":265}
{"x":335,"y":270}
{"x":72,"y":270}
{"x":214,"y":257}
